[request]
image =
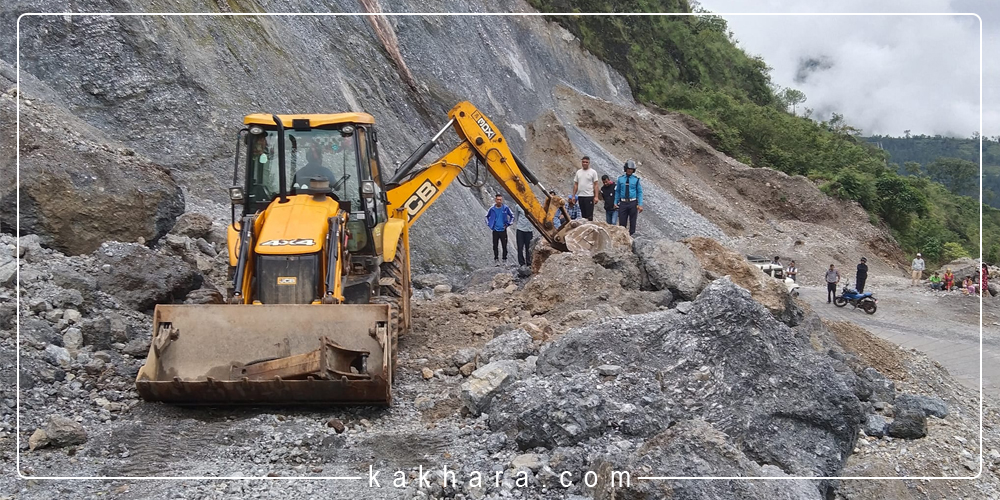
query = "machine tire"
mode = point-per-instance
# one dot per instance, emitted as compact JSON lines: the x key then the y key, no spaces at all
{"x":397,"y":289}
{"x":393,"y":330}
{"x":839,"y":301}
{"x":394,"y":270}
{"x":869,"y":307}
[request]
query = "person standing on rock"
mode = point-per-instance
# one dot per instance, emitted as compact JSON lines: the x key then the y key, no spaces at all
{"x":523,"y":231}
{"x":832,"y":278}
{"x":862,"y":275}
{"x":499,"y":218}
{"x":792,"y":271}
{"x":984,"y":282}
{"x":917,"y":270}
{"x":628,"y":197}
{"x":608,"y":193}
{"x":585,"y":188}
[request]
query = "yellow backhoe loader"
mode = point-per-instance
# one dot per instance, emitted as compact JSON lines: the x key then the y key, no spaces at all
{"x":320,"y":263}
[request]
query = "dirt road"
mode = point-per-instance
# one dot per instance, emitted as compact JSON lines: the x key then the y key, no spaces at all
{"x":943,"y":325}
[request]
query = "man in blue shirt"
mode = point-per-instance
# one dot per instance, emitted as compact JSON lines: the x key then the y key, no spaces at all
{"x":628,"y":197}
{"x":498,"y":218}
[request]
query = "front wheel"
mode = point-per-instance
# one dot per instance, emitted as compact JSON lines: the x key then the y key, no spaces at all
{"x":839,"y":301}
{"x":869,"y":307}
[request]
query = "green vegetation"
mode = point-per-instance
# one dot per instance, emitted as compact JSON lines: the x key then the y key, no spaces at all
{"x":951,"y":156}
{"x":692,"y":64}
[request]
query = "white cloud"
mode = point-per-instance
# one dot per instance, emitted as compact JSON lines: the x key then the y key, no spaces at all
{"x":886,"y":74}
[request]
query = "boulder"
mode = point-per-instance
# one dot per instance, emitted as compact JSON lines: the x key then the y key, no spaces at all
{"x":670,"y":265}
{"x":430,"y":280}
{"x":965,"y":266}
{"x":908,"y":424}
{"x":875,"y":426}
{"x":727,"y":361}
{"x":8,"y":270}
{"x":78,"y":189}
{"x":770,"y":292}
{"x":696,"y":448}
{"x":141,"y":278}
{"x":540,"y":252}
{"x":205,"y":295}
{"x":58,"y":356}
{"x":478,"y":390}
{"x":193,"y":225}
{"x":567,"y":282}
{"x":881,"y":388}
{"x":73,"y":339}
{"x":930,"y":406}
{"x":464,"y":356}
{"x":59,"y":432}
{"x":515,"y":344}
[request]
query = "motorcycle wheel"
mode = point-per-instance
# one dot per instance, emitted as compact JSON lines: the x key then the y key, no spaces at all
{"x":839,"y":301}
{"x":869,"y":307}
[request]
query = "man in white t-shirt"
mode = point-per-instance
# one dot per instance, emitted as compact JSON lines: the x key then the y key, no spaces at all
{"x":917,"y":267}
{"x":585,"y":188}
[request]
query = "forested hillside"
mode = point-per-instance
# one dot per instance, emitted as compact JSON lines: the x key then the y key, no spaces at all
{"x":693,"y":64}
{"x":952,"y":161}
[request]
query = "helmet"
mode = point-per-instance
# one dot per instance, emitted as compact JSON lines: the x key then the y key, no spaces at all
{"x":629,"y":164}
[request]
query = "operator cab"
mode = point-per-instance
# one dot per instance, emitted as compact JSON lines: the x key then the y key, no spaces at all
{"x":338,"y":147}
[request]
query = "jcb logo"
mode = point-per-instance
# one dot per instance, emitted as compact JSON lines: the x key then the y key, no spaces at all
{"x":416,"y":202}
{"x":287,"y":280}
{"x":484,"y":125}
{"x":303,"y":242}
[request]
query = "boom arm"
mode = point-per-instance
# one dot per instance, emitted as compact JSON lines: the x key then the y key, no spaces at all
{"x":410,"y":193}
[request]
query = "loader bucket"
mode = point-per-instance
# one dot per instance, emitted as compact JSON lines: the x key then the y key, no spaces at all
{"x":268,"y":354}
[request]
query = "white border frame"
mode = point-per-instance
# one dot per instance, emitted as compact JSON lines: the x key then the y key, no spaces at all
{"x":383,"y":14}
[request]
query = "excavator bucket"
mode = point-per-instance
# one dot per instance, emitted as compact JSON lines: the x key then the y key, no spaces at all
{"x":268,"y":354}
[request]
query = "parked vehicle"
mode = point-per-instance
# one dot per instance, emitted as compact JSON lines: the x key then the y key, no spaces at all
{"x":865,"y":301}
{"x":776,"y":271}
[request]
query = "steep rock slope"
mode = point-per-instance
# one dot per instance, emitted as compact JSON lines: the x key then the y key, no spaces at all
{"x":176,"y":88}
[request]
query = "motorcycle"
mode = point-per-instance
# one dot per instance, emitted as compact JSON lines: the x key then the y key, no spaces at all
{"x":866,"y":301}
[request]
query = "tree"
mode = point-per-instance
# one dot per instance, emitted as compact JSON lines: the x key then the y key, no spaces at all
{"x":898,"y":201}
{"x":912,"y":169}
{"x":906,"y":133}
{"x":793,"y":97}
{"x":953,"y":251}
{"x":958,"y":175}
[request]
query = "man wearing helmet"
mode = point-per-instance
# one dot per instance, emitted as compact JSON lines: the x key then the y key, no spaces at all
{"x":862,"y":275}
{"x":628,"y":197}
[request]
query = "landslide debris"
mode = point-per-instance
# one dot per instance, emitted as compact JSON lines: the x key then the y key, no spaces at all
{"x":78,"y":188}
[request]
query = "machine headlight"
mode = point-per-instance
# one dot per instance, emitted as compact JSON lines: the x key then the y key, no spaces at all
{"x":256,"y":130}
{"x":236,"y":195}
{"x":368,"y":189}
{"x":347,"y":130}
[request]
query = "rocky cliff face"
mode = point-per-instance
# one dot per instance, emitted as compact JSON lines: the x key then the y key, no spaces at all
{"x":176,"y":88}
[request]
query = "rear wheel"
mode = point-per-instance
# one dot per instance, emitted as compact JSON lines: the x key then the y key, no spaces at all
{"x":394,"y":270}
{"x":398,"y":288}
{"x":869,"y":307}
{"x":839,"y":301}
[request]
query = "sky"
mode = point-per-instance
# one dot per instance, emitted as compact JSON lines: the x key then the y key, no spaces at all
{"x":885,"y":74}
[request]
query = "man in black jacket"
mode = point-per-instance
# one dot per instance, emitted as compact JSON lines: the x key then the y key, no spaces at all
{"x":862,"y":275}
{"x":608,"y":193}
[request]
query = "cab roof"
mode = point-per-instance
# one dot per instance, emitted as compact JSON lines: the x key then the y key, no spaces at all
{"x":315,"y":120}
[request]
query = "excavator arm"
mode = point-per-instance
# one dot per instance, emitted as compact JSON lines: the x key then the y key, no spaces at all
{"x":411,"y":190}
